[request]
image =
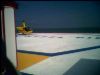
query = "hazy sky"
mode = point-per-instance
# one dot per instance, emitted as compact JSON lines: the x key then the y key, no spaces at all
{"x":59,"y":14}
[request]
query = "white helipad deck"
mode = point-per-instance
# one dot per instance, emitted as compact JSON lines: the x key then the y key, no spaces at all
{"x":56,"y":42}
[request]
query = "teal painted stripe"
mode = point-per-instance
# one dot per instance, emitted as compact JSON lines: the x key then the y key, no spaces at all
{"x":60,"y":53}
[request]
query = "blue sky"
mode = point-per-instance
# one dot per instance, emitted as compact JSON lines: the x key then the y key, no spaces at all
{"x":59,"y":14}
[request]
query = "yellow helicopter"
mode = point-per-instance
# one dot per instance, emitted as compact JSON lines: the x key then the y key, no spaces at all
{"x":23,"y":29}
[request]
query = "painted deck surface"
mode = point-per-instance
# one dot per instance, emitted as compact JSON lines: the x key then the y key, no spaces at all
{"x":55,"y":53}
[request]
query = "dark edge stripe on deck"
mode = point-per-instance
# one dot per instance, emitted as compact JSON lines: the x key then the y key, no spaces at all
{"x":38,"y":53}
{"x":60,"y":53}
